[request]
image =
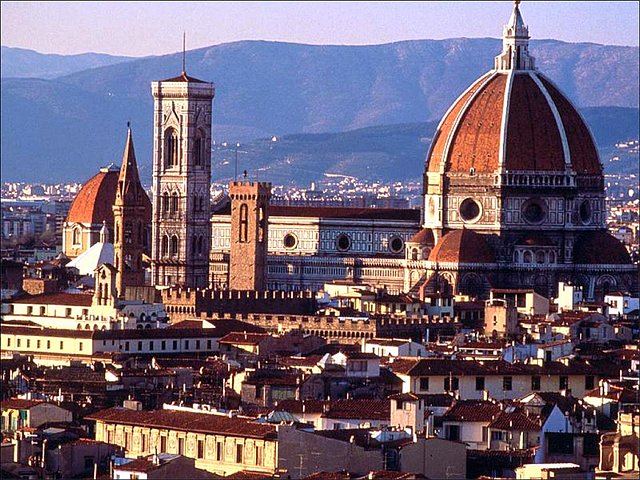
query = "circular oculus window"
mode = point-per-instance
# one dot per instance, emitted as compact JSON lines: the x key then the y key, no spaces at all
{"x":343,"y":242}
{"x":534,"y":211}
{"x":396,"y":245}
{"x":470,"y":210}
{"x":290,"y":241}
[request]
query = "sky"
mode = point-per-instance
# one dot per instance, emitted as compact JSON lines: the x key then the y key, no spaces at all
{"x":155,"y":28}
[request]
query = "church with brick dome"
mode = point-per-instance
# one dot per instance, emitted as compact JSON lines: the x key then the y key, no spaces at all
{"x":514,"y":190}
{"x":513,"y":198}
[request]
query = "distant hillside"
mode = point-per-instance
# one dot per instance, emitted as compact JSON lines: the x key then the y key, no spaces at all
{"x":386,"y":153}
{"x":71,"y":125}
{"x":23,"y":63}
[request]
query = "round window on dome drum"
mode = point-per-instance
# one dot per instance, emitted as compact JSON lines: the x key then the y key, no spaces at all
{"x":290,"y":241}
{"x":470,"y":210}
{"x":585,"y":212}
{"x":343,"y":242}
{"x":534,"y":211}
{"x":396,"y":245}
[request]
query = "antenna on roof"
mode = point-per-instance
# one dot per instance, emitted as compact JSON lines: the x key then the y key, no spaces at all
{"x":184,"y":47}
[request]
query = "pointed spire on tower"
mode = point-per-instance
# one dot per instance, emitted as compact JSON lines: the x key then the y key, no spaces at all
{"x":515,"y":44}
{"x":129,"y":180}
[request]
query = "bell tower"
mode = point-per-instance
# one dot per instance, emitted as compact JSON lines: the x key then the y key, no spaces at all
{"x":249,"y":220}
{"x":181,"y":179}
{"x":130,"y":211}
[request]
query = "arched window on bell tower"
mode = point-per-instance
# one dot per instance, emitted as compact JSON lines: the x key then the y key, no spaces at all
{"x":165,"y":203}
{"x":171,"y":147}
{"x":165,"y":245}
{"x":174,"y":203}
{"x":174,"y":246}
{"x":243,"y":234}
{"x":199,"y":149}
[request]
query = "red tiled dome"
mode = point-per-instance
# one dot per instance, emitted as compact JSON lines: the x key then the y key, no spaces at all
{"x":518,"y":118}
{"x":462,"y":246}
{"x":599,"y":248}
{"x":423,"y":237}
{"x":94,"y":201}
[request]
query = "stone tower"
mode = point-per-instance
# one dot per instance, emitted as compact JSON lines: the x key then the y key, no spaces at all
{"x":130,"y":210}
{"x":181,"y":180}
{"x":249,"y":217}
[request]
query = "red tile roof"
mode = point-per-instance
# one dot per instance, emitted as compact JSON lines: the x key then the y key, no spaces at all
{"x":19,"y":404}
{"x":94,"y":201}
{"x":598,"y":248}
{"x":359,"y":409}
{"x":584,"y":155}
{"x":533,"y":140}
{"x":462,"y":246}
{"x":516,"y":420}
{"x":138,"y":465}
{"x":472,"y":411}
{"x":243,"y":338}
{"x":409,"y":214}
{"x":441,"y":137}
{"x":71,"y":299}
{"x":470,"y":133}
{"x":186,"y":421}
{"x":297,"y":406}
{"x":423,"y":237}
{"x":476,"y":142}
{"x":183,"y":77}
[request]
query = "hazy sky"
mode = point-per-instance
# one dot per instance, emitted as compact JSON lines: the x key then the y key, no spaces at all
{"x":146,"y":28}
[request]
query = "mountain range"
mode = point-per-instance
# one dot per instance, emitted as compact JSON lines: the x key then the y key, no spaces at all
{"x":64,"y":127}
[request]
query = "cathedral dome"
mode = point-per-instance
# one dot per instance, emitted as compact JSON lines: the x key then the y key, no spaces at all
{"x":94,"y":201}
{"x":423,"y":237}
{"x":462,"y":246}
{"x":513,"y":119}
{"x":600,"y":248}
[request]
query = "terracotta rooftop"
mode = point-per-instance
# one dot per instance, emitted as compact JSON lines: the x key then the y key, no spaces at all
{"x":516,"y":420}
{"x":462,"y":246}
{"x":359,"y":409}
{"x":403,"y":214}
{"x":243,"y":338}
{"x":185,"y":421}
{"x":472,"y":411}
{"x":71,"y":299}
{"x":297,"y":406}
{"x":19,"y":404}
{"x":423,"y":237}
{"x":470,"y":134}
{"x":183,"y":77}
{"x":94,"y":202}
{"x":444,"y":367}
{"x":599,"y":247}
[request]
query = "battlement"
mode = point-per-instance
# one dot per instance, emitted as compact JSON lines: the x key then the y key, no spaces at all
{"x":348,"y":330}
{"x":249,"y":190}
{"x":182,"y":303}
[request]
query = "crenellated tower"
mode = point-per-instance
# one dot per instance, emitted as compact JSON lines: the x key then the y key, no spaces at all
{"x":181,"y":180}
{"x":249,"y":235}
